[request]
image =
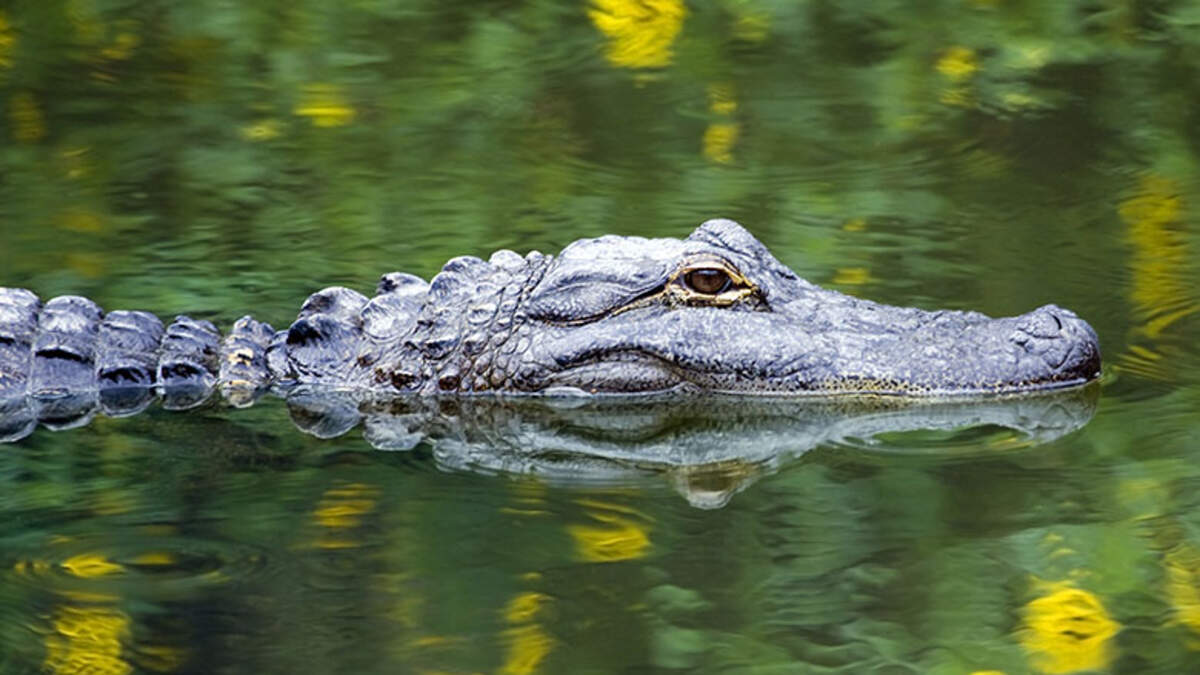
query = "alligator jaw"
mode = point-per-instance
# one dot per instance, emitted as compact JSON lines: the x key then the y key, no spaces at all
{"x":945,"y":354}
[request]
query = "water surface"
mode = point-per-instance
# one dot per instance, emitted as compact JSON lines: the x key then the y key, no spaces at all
{"x":981,"y":155}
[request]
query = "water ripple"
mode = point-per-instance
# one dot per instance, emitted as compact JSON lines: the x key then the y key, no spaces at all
{"x":135,"y":562}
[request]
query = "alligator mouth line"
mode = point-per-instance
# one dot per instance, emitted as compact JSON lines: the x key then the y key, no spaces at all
{"x":879,"y":388}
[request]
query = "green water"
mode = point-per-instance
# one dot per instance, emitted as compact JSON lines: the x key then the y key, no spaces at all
{"x":219,"y":159}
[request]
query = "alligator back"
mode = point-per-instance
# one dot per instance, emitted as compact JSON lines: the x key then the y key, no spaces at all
{"x":64,"y":357}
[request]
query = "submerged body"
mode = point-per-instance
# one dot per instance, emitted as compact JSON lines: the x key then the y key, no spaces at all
{"x":713,"y":312}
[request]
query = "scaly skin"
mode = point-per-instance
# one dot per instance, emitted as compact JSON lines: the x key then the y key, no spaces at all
{"x":715,"y":312}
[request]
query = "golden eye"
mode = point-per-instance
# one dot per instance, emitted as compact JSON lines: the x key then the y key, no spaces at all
{"x":708,"y":281}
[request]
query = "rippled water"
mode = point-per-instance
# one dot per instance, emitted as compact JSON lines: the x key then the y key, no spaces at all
{"x":963,"y":155}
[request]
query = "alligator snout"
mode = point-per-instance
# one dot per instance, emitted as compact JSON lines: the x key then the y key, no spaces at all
{"x":1063,"y":341}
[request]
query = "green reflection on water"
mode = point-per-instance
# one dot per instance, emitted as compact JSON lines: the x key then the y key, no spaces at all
{"x":986,"y":155}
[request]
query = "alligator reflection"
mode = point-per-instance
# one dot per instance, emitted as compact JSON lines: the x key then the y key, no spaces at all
{"x":709,"y":448}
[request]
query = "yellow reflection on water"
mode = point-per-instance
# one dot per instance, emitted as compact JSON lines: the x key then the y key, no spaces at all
{"x":1160,"y":254}
{"x":614,"y":537}
{"x":528,"y":498}
{"x":325,"y":105}
{"x":957,"y":63}
{"x":528,"y":646}
{"x":1159,"y":263}
{"x":640,"y":32}
{"x":1067,"y":630}
{"x":90,"y":566}
{"x":719,"y":138}
{"x":1183,"y":587}
{"x":721,"y":135}
{"x":852,"y":276}
{"x":8,"y":41}
{"x":957,"y":96}
{"x":525,"y":607}
{"x":122,"y":47}
{"x":751,"y":25}
{"x":340,"y":510}
{"x":26,"y":118}
{"x":87,"y":640}
{"x":527,"y":641}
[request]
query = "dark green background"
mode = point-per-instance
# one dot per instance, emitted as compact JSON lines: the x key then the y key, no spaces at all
{"x":224,"y":158}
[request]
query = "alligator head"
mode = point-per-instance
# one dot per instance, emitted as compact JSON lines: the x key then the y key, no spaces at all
{"x":717,"y":312}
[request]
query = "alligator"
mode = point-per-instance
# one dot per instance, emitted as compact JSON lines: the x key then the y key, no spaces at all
{"x":714,"y":312}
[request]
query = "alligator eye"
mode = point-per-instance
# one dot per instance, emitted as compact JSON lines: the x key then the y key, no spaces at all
{"x":708,"y":281}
